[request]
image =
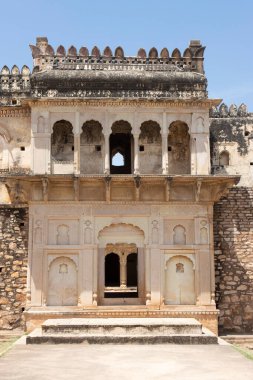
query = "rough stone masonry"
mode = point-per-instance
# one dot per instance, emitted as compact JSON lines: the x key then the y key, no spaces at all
{"x":13,"y":265}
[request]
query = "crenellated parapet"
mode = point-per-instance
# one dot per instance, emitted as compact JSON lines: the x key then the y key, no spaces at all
{"x":45,"y":56}
{"x":13,"y":84}
{"x":95,"y":74}
{"x":232,"y":111}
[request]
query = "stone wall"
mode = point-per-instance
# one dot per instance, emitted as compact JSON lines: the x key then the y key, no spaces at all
{"x":233,"y":241}
{"x":13,"y":265}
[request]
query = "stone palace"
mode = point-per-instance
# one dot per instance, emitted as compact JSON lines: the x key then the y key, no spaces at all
{"x":124,"y":190}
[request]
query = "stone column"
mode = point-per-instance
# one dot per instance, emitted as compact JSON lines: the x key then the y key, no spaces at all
{"x":147,"y":276}
{"x":164,"y":146}
{"x":95,"y":276}
{"x":136,"y":154}
{"x":77,"y":144}
{"x":77,"y":154}
{"x":107,"y":154}
{"x":193,"y":155}
{"x":123,"y":272}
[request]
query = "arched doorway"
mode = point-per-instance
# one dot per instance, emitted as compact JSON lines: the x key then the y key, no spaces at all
{"x":121,"y":265}
{"x":179,"y":282}
{"x":112,"y":270}
{"x":62,"y":283}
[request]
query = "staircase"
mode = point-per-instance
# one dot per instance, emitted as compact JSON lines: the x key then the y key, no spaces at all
{"x":122,"y":331}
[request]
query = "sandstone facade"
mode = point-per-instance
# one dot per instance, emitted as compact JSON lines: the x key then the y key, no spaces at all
{"x":111,"y":156}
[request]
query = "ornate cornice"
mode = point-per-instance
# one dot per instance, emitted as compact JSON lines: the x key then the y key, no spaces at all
{"x":176,"y":103}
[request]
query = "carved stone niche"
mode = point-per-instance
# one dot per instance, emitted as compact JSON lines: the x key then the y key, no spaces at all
{"x":62,"y":234}
{"x":87,"y":232}
{"x":204,"y":232}
{"x":38,"y":232}
{"x":179,"y":235}
{"x":155,"y":232}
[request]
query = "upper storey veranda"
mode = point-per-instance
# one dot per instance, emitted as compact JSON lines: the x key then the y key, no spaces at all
{"x":84,"y":74}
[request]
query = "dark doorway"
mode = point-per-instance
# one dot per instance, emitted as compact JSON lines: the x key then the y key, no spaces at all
{"x":112,"y":270}
{"x":132,"y":276}
{"x":121,"y":148}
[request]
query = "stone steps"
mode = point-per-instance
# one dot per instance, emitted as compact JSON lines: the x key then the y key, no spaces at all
{"x":122,"y":331}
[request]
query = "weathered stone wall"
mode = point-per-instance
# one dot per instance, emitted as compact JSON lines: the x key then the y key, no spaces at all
{"x":233,"y":239}
{"x":13,"y":265}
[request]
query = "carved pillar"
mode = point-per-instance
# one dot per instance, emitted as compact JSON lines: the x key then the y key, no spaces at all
{"x":164,"y":145}
{"x":193,"y":155}
{"x":77,"y":144}
{"x":136,"y":154}
{"x":123,"y":271}
{"x":77,"y":154}
{"x":107,"y":154}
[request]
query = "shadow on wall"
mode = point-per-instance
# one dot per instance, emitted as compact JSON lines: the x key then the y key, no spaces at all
{"x":233,"y":244}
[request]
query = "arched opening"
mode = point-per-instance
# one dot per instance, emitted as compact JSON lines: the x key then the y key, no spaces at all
{"x":62,"y":283}
{"x":62,"y":141}
{"x":121,"y":147}
{"x":179,"y":282}
{"x":224,"y":158}
{"x":132,"y":272}
{"x":112,"y":270}
{"x":118,"y":159}
{"x":150,"y":148}
{"x":179,"y":148}
{"x":91,"y":148}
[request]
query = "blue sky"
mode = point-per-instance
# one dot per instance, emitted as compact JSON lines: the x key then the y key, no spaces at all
{"x":223,"y":26}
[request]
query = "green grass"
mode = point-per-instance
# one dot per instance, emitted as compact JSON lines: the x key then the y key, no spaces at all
{"x":244,"y":351}
{"x":7,"y":344}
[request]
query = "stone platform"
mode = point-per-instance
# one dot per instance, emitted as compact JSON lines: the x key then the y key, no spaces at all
{"x":122,"y":331}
